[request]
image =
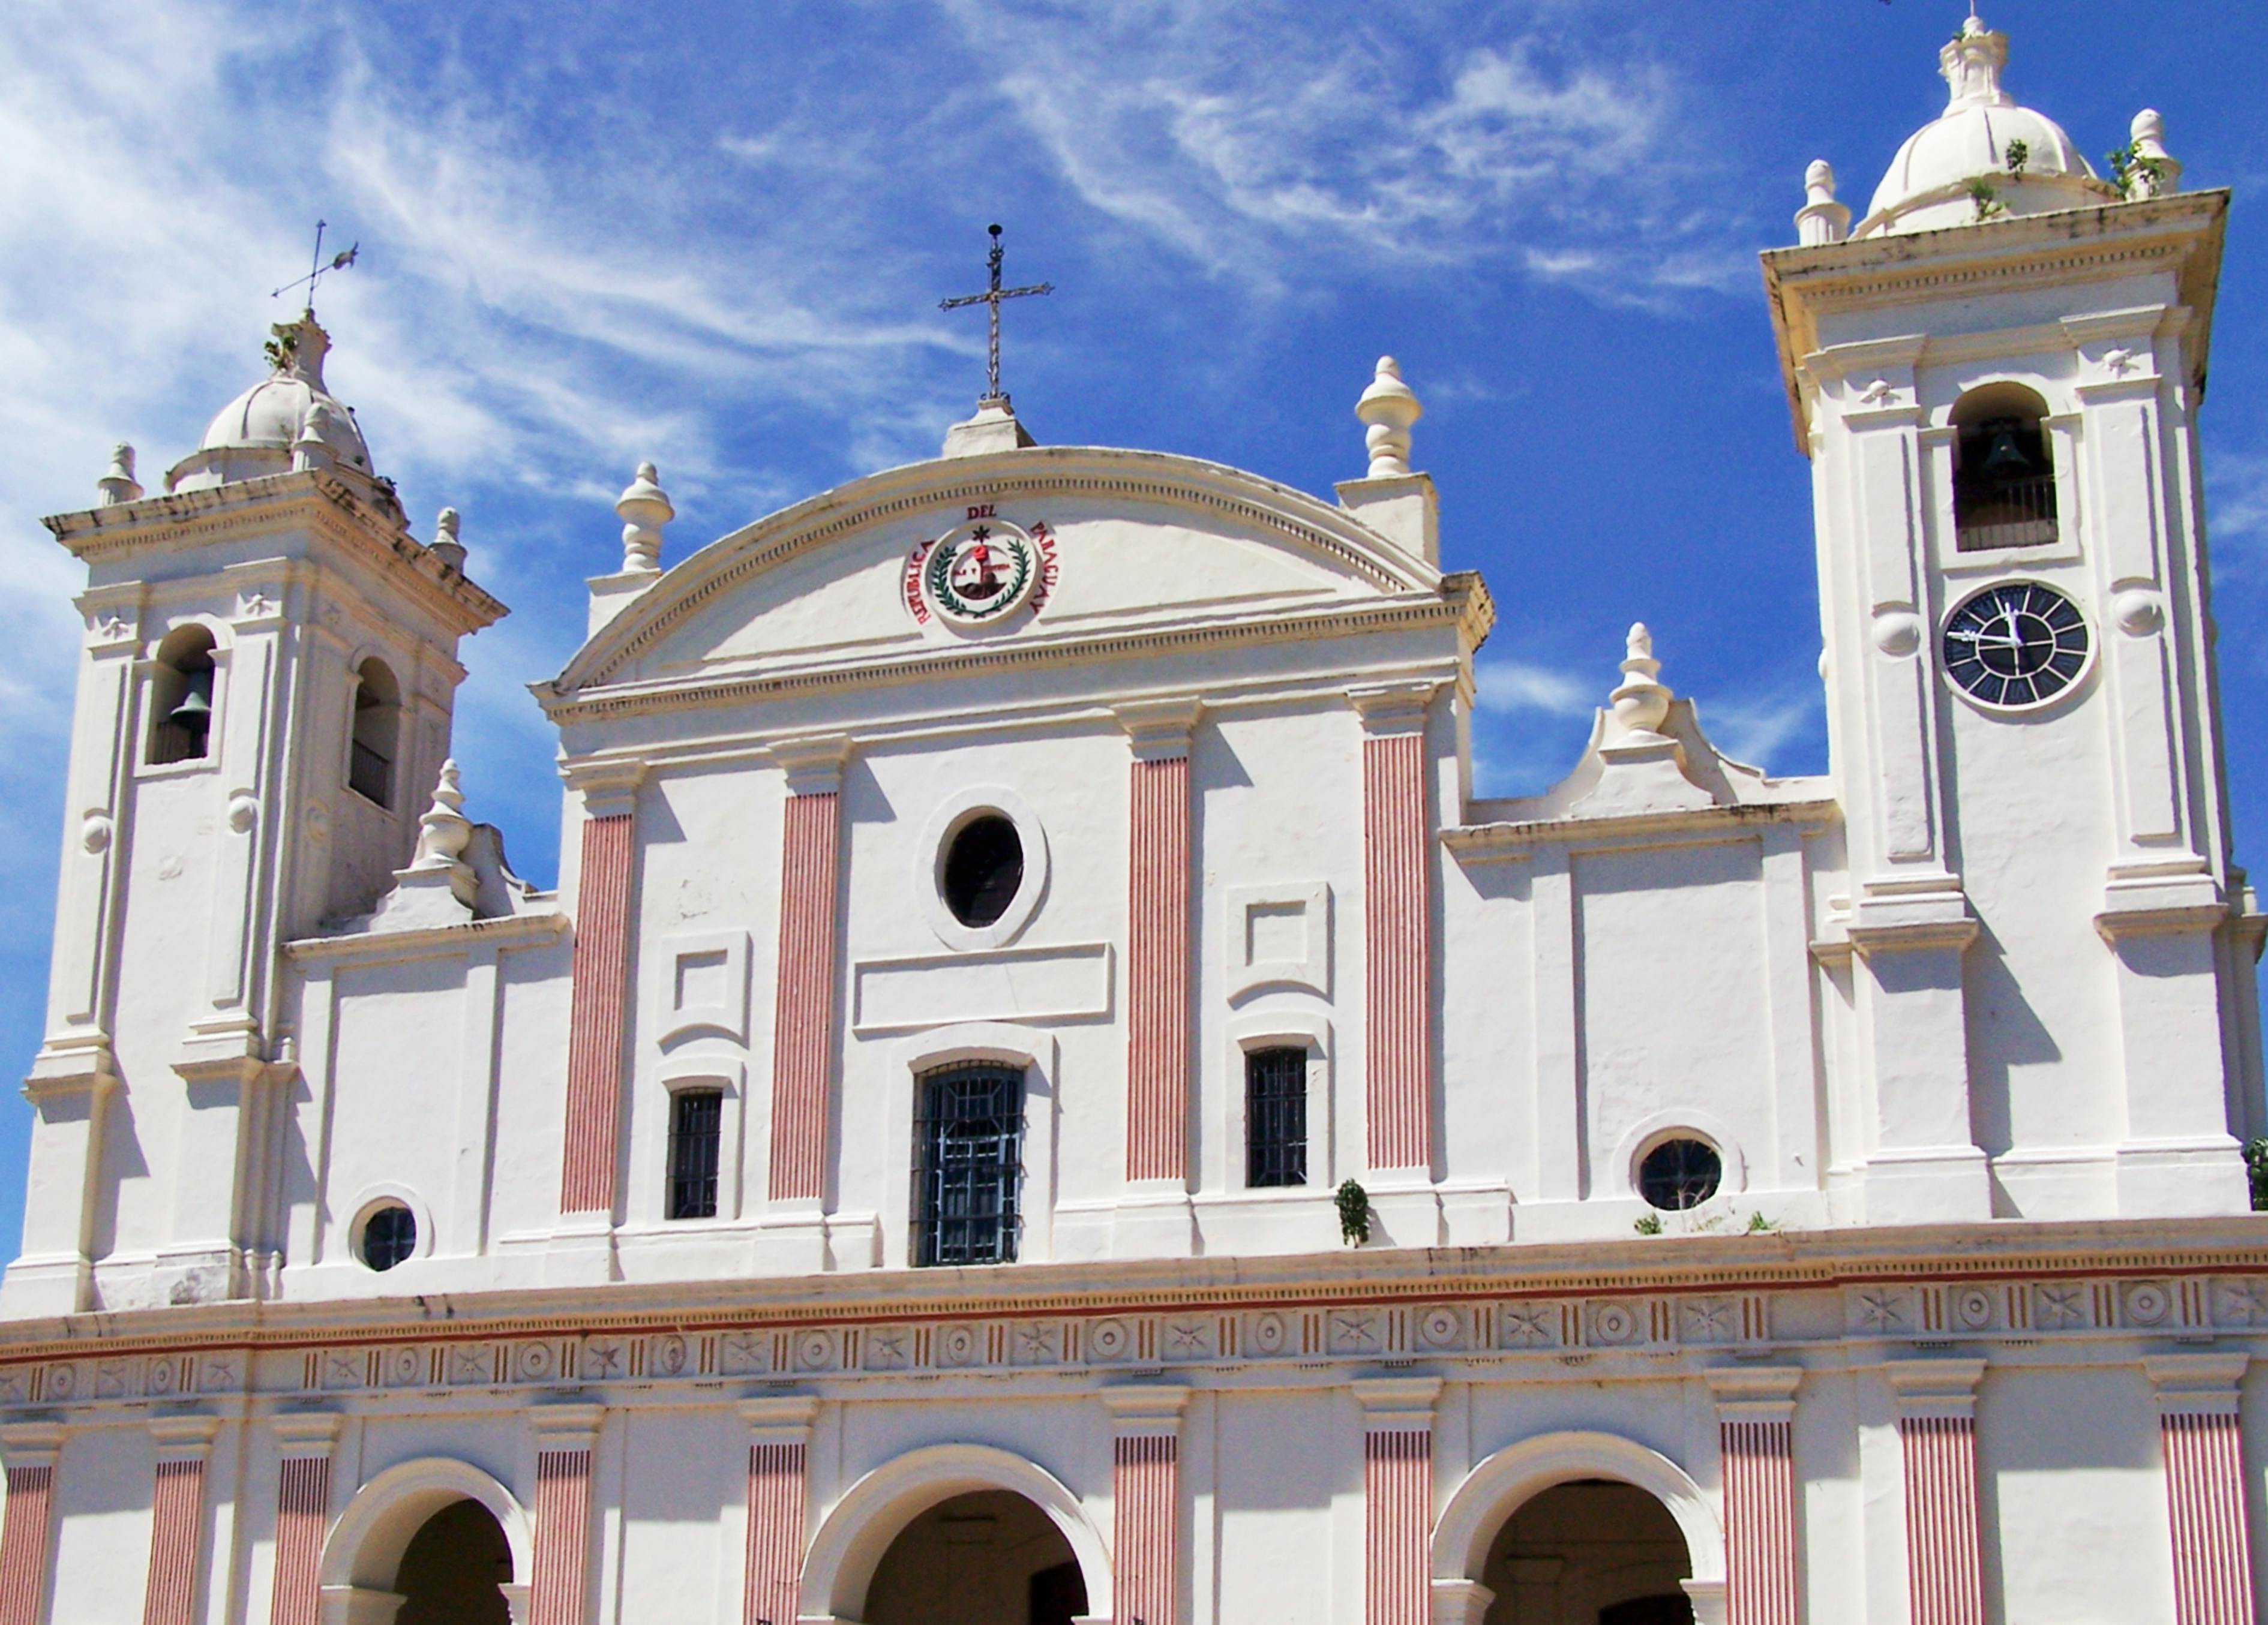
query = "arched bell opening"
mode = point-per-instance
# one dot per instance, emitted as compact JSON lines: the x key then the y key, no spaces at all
{"x":2004,"y":478}
{"x":985,"y":1557}
{"x":377,"y":734}
{"x":181,"y":697}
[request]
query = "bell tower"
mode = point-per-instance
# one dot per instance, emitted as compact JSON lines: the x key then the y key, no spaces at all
{"x":1996,"y":376}
{"x":264,"y":698}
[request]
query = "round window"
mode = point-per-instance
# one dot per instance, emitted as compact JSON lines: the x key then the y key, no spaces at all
{"x":1677,"y":1174}
{"x":388,"y":1236}
{"x":983,"y":869}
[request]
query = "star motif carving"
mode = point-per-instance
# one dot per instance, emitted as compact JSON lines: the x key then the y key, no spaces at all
{"x":2062,"y":1305}
{"x":1528,"y":1325}
{"x":1880,"y":1310}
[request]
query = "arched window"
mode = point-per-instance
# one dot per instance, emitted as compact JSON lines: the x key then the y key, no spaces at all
{"x":181,"y":697}
{"x":2004,"y":489}
{"x":377,"y":732}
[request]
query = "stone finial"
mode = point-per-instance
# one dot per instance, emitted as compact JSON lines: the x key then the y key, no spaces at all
{"x":1971,"y":64}
{"x":443,"y":832}
{"x":2155,"y":173}
{"x":120,"y":485}
{"x":445,"y":545}
{"x":1821,"y":219}
{"x":1389,"y":406}
{"x":313,"y":448}
{"x":1641,"y":704}
{"x":645,"y":508}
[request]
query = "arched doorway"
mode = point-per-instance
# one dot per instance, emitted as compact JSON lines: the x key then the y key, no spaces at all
{"x":1593,"y":1552}
{"x":986,"y":1557}
{"x":454,"y":1569}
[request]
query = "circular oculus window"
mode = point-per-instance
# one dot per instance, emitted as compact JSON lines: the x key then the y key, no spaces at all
{"x":983,"y":869}
{"x":2015,"y":645}
{"x":1680,"y":1173}
{"x":389,"y":1235}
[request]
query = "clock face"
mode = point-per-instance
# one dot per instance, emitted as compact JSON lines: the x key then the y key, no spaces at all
{"x":2016,"y":644}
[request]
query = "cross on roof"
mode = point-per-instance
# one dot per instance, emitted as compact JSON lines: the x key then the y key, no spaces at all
{"x":339,"y":262}
{"x":990,"y":299}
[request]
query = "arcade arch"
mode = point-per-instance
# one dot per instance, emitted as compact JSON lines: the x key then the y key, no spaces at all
{"x":441,"y":1534}
{"x":1570,"y":1528}
{"x":869,"y":1548}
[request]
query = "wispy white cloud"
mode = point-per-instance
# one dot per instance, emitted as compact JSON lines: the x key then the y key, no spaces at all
{"x":1509,"y":686}
{"x":1244,"y":137}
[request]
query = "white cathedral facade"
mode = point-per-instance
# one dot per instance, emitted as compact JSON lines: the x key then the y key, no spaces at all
{"x":1042,"y":1095}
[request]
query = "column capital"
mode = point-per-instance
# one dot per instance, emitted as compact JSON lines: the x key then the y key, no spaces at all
{"x":2196,"y":1384}
{"x":184,"y":1438}
{"x":780,"y":1418}
{"x":608,"y":784}
{"x":1145,"y":1408}
{"x":31,"y":1444}
{"x":1754,"y":1393}
{"x":1396,"y":707}
{"x":1396,"y":1403}
{"x":1159,"y":730}
{"x":567,"y":1426}
{"x":812,"y":763}
{"x":1935,"y":1387}
{"x":307,"y":1432}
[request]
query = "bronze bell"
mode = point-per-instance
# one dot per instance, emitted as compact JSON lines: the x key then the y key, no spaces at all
{"x":195,"y":712}
{"x":2007,"y":459}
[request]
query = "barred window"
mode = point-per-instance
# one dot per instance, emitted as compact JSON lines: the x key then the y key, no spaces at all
{"x":696,"y":1119}
{"x":968,"y":1138}
{"x":1276,"y":1117}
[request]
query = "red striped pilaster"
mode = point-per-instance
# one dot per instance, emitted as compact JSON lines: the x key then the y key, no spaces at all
{"x":1158,"y":940}
{"x":1397,"y":1498}
{"x":303,"y":1506}
{"x":177,"y":1516}
{"x":2204,"y":1487}
{"x":1937,"y":1435}
{"x":803,"y":1016}
{"x":600,"y":992}
{"x":1145,"y":1490}
{"x":1397,"y":928}
{"x":560,"y":1583}
{"x":1755,"y":1412}
{"x":779,"y":1432}
{"x":31,"y":1450}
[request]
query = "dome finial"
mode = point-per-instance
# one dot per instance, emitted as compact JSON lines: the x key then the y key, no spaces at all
{"x":1642,"y":702}
{"x":1972,"y":62}
{"x":1821,"y":219}
{"x":446,"y":545}
{"x":119,"y":485}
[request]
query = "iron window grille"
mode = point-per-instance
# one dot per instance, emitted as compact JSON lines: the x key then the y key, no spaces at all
{"x":696,"y":1118}
{"x":1275,"y":1118}
{"x":388,"y":1237}
{"x":1678,"y":1174}
{"x":968,"y":1134}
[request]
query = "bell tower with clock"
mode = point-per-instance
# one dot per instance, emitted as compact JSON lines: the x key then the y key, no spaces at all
{"x":1995,"y":374}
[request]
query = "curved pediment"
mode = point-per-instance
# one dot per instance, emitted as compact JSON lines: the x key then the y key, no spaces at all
{"x":1136,"y":539}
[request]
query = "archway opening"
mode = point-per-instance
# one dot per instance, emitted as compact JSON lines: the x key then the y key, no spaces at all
{"x":452,"y":1569}
{"x":1592,"y":1552}
{"x":987,"y":1557}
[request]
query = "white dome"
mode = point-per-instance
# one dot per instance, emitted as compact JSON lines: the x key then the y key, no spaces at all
{"x":1929,"y":184}
{"x":256,"y":433}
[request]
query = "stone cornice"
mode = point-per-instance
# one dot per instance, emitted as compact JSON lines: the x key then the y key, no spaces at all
{"x":1870,"y":1262}
{"x":509,"y":930}
{"x":2180,"y":233}
{"x":1462,"y":603}
{"x":323,"y":503}
{"x":1516,"y":840}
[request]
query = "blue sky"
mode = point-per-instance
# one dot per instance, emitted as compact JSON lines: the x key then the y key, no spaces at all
{"x":715,"y":236}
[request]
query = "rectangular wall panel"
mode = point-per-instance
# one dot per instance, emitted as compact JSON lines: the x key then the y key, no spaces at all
{"x":1944,"y":1581}
{"x":1146,"y":1490}
{"x":1760,"y":1545}
{"x":303,"y":1498}
{"x":176,"y":1528}
{"x":24,"y":1544}
{"x":1397,"y":1483}
{"x":563,"y":1537}
{"x":2204,"y":1496}
{"x":775,"y":1496}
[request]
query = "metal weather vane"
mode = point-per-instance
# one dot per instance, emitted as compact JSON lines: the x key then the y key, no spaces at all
{"x":339,"y":262}
{"x":990,"y":299}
